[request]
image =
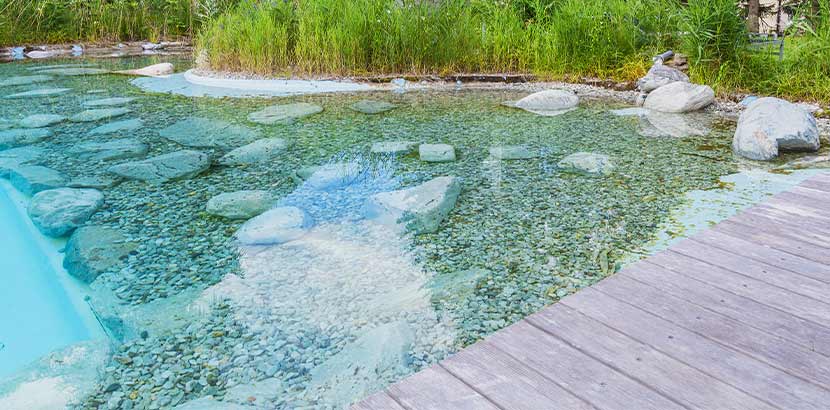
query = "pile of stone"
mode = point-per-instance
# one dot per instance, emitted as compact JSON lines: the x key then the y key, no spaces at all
{"x":668,"y":89}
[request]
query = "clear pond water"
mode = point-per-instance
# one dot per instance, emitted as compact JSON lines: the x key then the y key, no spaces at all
{"x":192,"y":314}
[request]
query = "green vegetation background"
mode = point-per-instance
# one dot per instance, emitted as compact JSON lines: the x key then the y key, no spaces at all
{"x":554,"y":39}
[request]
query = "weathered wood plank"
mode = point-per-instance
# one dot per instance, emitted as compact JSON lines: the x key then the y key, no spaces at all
{"x":816,"y":222}
{"x":595,"y":382}
{"x":378,"y":401}
{"x":737,"y":369}
{"x":686,"y":385}
{"x":773,"y":350}
{"x":806,"y":201}
{"x":819,"y":183}
{"x":790,"y":227}
{"x":509,"y":383}
{"x":435,"y":389}
{"x":794,"y":209}
{"x":796,"y":330}
{"x":790,"y":245}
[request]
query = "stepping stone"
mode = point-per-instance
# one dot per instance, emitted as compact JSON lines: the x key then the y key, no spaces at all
{"x":164,"y":168}
{"x":57,"y":212}
{"x":436,"y":153}
{"x":41,"y":120}
{"x":587,"y":162}
{"x":108,"y":102}
{"x":333,"y":176}
{"x":31,"y":179}
{"x":117,"y":126}
{"x":42,"y":92}
{"x":6,"y":124}
{"x":394,"y":147}
{"x":241,"y":204}
{"x":98,"y":182}
{"x":17,"y":137}
{"x":110,"y":150}
{"x":511,"y":152}
{"x":95,"y":250}
{"x":372,"y":106}
{"x":257,"y":151}
{"x":15,"y":157}
{"x":24,"y":80}
{"x":276,"y":226}
{"x":284,"y":114}
{"x":419,"y":209}
{"x":74,"y":71}
{"x":99,"y":114}
{"x":549,"y":102}
{"x":209,"y":133}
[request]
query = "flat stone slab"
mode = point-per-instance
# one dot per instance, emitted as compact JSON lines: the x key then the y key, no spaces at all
{"x":284,"y":113}
{"x":241,"y":204}
{"x":94,"y":250}
{"x":96,"y":182}
{"x":511,"y":152}
{"x":394,"y":147}
{"x":276,"y":226}
{"x":15,"y":157}
{"x":419,"y":209}
{"x":41,"y":120}
{"x":372,"y":106}
{"x":117,"y":126}
{"x":436,"y":153}
{"x":164,"y":168}
{"x":74,"y":71}
{"x":587,"y":162}
{"x":110,"y":150}
{"x":99,"y":114}
{"x":200,"y":132}
{"x":18,"y":137}
{"x":57,"y":212}
{"x":31,"y":179}
{"x":109,"y":102}
{"x":258,"y":151}
{"x":24,"y":80}
{"x":42,"y":92}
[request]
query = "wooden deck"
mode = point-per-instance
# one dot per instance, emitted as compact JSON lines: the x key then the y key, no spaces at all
{"x":735,"y":317}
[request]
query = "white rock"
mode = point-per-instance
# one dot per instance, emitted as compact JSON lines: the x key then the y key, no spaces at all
{"x":241,"y":204}
{"x":588,"y":162}
{"x":436,"y":153}
{"x":680,"y":97}
{"x":275,"y":226}
{"x":394,"y":147}
{"x":771,"y":125}
{"x":333,"y":176}
{"x":155,"y":70}
{"x":549,"y":102}
{"x":41,"y":120}
{"x":420,"y":209}
{"x":57,"y":212}
{"x":284,"y":113}
{"x":659,"y":75}
{"x":260,"y":150}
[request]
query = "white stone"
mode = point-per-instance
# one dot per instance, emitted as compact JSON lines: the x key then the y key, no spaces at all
{"x":680,"y":97}
{"x":549,"y":102}
{"x":394,"y":147}
{"x":333,"y":176}
{"x":771,"y":125}
{"x":436,"y":153}
{"x":57,"y":212}
{"x":659,"y":75}
{"x":420,"y":209}
{"x":41,"y":120}
{"x":260,"y":150}
{"x":284,"y":113}
{"x":155,"y":70}
{"x":276,"y":226}
{"x":588,"y":162}
{"x":241,"y":204}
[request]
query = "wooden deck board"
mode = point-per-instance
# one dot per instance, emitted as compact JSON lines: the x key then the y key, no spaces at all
{"x":735,"y":317}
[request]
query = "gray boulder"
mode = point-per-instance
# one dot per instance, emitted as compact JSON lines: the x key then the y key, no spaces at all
{"x":436,"y":153}
{"x":24,"y":80}
{"x":42,"y":92}
{"x":511,"y":152}
{"x":260,"y":150}
{"x":57,"y":212}
{"x":372,"y":106}
{"x":31,"y":179}
{"x":117,"y":126}
{"x":164,"y":168}
{"x":209,"y":133}
{"x":333,"y":176}
{"x":99,"y":114}
{"x":659,"y":75}
{"x":587,"y":162}
{"x":394,"y":147}
{"x":94,"y":250}
{"x":549,"y":102}
{"x":420,"y":209}
{"x":108,"y":102}
{"x":680,"y":97}
{"x":41,"y":120}
{"x":18,"y":137}
{"x":284,"y":113}
{"x":110,"y":150}
{"x":241,"y":204}
{"x":275,"y":226}
{"x":770,"y":126}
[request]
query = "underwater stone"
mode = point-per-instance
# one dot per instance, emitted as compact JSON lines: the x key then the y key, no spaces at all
{"x":275,"y":226}
{"x":332,"y":176}
{"x":285,"y":113}
{"x":456,"y":284}
{"x":108,"y":102}
{"x":201,"y":132}
{"x":511,"y":152}
{"x":154,"y":70}
{"x":99,"y":114}
{"x":17,"y":137}
{"x":420,"y":208}
{"x":680,"y":97}
{"x":630,"y":112}
{"x":164,"y":168}
{"x":74,"y":71}
{"x":41,"y":120}
{"x":43,"y":92}
{"x":664,"y":124}
{"x":588,"y":162}
{"x":116,"y":126}
{"x":549,"y":102}
{"x":93,"y":250}
{"x":772,"y":125}
{"x":33,"y":179}
{"x":209,"y":403}
{"x":257,"y":151}
{"x":394,"y":147}
{"x":97,"y":182}
{"x":110,"y":150}
{"x":372,"y":106}
{"x":436,"y":153}
{"x":24,"y":80}
{"x":261,"y":392}
{"x":57,"y":212}
{"x":241,"y":204}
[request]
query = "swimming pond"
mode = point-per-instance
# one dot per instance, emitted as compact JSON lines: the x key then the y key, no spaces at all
{"x":325,"y":300}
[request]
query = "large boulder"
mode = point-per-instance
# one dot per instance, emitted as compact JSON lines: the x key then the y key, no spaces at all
{"x":511,"y":152}
{"x":117,"y":126}
{"x":284,"y":113}
{"x":659,"y":75}
{"x":260,"y":150}
{"x":94,"y":250}
{"x":372,"y":106}
{"x":99,"y":114}
{"x":110,"y":150}
{"x":57,"y":212}
{"x":164,"y":168}
{"x":18,"y":137}
{"x":241,"y":204}
{"x":420,"y":209}
{"x":31,"y":179}
{"x":680,"y":97}
{"x":275,"y":226}
{"x":436,"y":153}
{"x":394,"y":147}
{"x":549,"y":102}
{"x":771,"y":125}
{"x":41,"y":120}
{"x":201,"y":132}
{"x":587,"y":162}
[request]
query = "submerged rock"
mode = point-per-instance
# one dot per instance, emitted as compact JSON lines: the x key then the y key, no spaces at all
{"x":99,"y":114}
{"x":680,"y":97}
{"x":108,"y":102}
{"x":436,"y":153}
{"x":394,"y":147}
{"x":659,"y":75}
{"x":630,"y":112}
{"x":41,"y":120}
{"x":241,"y":204}
{"x":57,"y":212}
{"x":154,"y":70}
{"x":420,"y":209}
{"x":15,"y":157}
{"x":549,"y":102}
{"x":110,"y":150}
{"x":94,"y":250}
{"x":96,"y":182}
{"x":17,"y":137}
{"x":275,"y":226}
{"x":31,"y":179}
{"x":808,"y":162}
{"x":588,"y":162}
{"x":770,"y":126}
{"x":260,"y":150}
{"x":74,"y":71}
{"x":455,"y":285}
{"x":43,"y":92}
{"x":117,"y":126}
{"x":209,"y":403}
{"x":663,"y":124}
{"x":372,"y":106}
{"x":333,"y":176}
{"x":201,"y":132}
{"x":164,"y":168}
{"x":24,"y":80}
{"x":258,"y":393}
{"x":511,"y":152}
{"x":285,"y":113}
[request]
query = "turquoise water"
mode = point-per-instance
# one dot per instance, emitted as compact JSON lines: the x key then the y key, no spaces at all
{"x":37,"y":313}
